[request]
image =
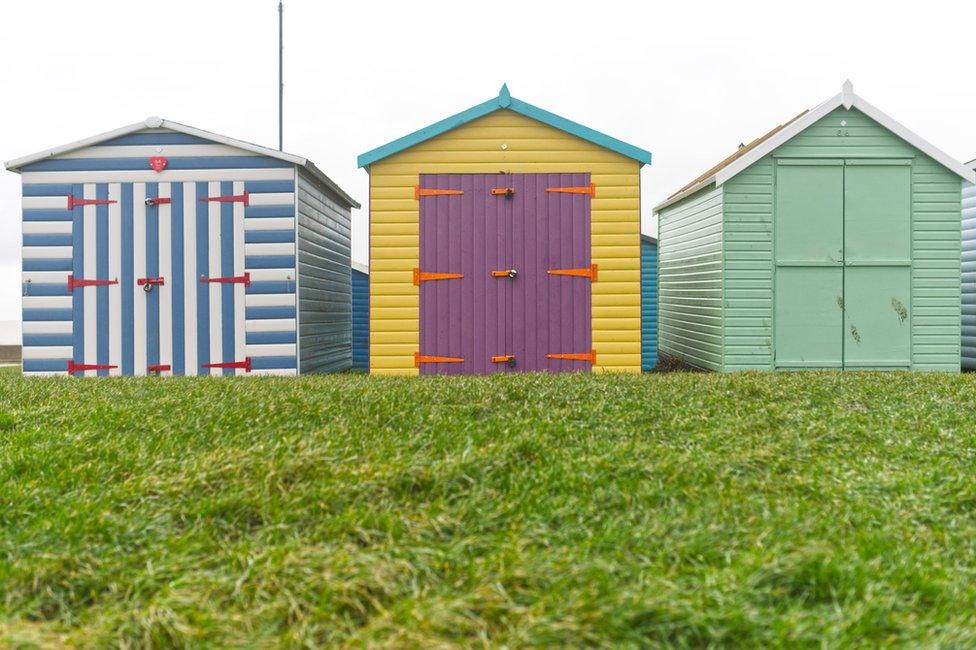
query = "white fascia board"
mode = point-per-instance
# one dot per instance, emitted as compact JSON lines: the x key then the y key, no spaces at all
{"x":240,"y":144}
{"x":17,"y":163}
{"x":971,"y":164}
{"x":913,"y":139}
{"x":784,"y":135}
{"x":152,"y":123}
{"x":362,"y":268}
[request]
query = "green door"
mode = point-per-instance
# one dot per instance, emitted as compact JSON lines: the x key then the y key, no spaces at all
{"x":877,"y":260}
{"x":843,"y":264}
{"x":809,"y":263}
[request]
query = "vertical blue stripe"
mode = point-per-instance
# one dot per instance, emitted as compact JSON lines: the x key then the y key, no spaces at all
{"x":176,"y":239}
{"x":152,"y":271}
{"x":101,"y":273}
{"x":203,"y":296}
{"x":78,"y":269}
{"x":227,"y":269}
{"x":126,"y":282}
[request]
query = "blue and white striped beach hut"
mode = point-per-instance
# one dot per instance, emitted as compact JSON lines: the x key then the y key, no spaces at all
{"x":159,"y":248}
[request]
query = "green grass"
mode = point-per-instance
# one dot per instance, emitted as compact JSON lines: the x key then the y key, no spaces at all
{"x":672,"y":509}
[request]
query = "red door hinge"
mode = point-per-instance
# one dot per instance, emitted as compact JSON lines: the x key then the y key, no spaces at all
{"x":590,"y":272}
{"x":419,"y":192}
{"x":507,"y":192}
{"x":421,"y":276}
{"x":244,"y":198}
{"x":245,"y":364}
{"x":575,"y":356}
{"x":589,"y":189}
{"x":234,"y":279}
{"x":161,"y":200}
{"x":150,"y":281}
{"x":425,"y":358}
{"x":75,"y":283}
{"x":161,"y":367}
{"x":81,"y":367}
{"x":74,"y":203}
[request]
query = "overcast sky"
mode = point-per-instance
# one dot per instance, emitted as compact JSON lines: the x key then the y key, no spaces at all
{"x":686,"y":80}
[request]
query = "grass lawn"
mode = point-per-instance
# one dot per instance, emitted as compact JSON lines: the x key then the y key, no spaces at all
{"x":680,"y":509}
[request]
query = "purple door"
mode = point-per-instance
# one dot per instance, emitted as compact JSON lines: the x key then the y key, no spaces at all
{"x":508,"y":311}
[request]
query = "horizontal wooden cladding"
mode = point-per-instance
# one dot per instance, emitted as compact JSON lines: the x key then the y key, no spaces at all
{"x":690,"y":280}
{"x":531,"y":147}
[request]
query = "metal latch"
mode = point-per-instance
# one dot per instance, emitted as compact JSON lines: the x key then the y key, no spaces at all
{"x":508,"y":359}
{"x":508,"y":273}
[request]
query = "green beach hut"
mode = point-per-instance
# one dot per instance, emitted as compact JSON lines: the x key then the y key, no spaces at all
{"x":833,"y":241}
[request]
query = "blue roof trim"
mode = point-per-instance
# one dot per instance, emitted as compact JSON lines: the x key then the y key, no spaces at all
{"x":505,"y":101}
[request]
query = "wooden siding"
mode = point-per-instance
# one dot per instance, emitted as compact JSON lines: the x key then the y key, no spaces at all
{"x":324,"y":283}
{"x":531,"y":147}
{"x":936,"y":207}
{"x":360,"y":320}
{"x":969,"y":276}
{"x":648,"y":304}
{"x":690,"y":280}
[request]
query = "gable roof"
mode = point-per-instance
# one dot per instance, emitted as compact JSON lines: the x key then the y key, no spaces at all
{"x":766,"y":144}
{"x":160,"y":123}
{"x":504,"y":100}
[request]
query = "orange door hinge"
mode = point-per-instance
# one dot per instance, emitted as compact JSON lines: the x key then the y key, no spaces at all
{"x":421,"y":276}
{"x":426,"y":358}
{"x":504,"y":358}
{"x":590,"y":272}
{"x":575,"y":356}
{"x":419,"y":192}
{"x":507,"y":192}
{"x":589,"y":189}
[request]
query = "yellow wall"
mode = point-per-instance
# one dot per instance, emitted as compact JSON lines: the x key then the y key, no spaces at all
{"x":475,"y":148}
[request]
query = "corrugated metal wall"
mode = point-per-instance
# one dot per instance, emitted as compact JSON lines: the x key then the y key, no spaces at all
{"x":969,"y":276}
{"x":360,"y":320}
{"x":182,"y":323}
{"x":531,"y":147}
{"x":324,"y":282}
{"x":648,"y":303}
{"x":748,"y":246}
{"x":690,"y":280}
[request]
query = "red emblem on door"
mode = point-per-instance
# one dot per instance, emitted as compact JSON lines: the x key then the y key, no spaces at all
{"x":158,"y":163}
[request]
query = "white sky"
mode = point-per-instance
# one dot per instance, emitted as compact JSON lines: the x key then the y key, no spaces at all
{"x":687,"y":80}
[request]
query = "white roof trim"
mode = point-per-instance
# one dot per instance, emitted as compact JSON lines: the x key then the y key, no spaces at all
{"x":157,"y":123}
{"x":971,"y":164}
{"x":152,"y":123}
{"x":848,"y":99}
{"x":362,"y":268}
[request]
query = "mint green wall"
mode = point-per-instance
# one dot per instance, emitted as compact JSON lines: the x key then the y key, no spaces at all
{"x":690,"y":280}
{"x":748,"y":244}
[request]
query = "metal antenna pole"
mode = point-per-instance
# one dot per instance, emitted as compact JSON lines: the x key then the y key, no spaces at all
{"x":281,"y":79}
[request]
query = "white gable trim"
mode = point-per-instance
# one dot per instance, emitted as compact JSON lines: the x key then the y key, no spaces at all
{"x":157,"y":123}
{"x":848,"y":99}
{"x":152,"y":123}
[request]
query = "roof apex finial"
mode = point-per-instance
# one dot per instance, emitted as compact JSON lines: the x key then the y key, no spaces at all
{"x":847,"y":94}
{"x":504,"y":97}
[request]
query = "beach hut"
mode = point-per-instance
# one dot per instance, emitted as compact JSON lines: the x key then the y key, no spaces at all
{"x":833,"y":241}
{"x":969,"y":273}
{"x":648,"y":302}
{"x":504,"y":238}
{"x":360,"y":316}
{"x":159,"y":248}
